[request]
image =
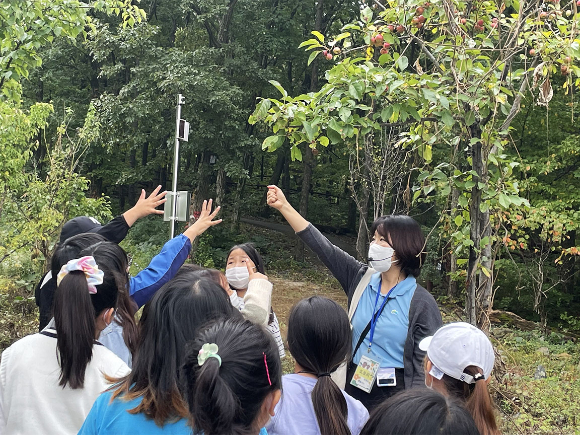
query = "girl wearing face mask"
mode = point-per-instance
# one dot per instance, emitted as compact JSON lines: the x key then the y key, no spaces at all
{"x":240,"y":259}
{"x":389,"y":311}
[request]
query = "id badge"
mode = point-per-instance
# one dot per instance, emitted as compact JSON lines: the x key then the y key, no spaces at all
{"x":365,"y":374}
{"x":386,"y":377}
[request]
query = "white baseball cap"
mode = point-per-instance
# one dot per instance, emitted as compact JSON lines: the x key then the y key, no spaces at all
{"x":456,"y":346}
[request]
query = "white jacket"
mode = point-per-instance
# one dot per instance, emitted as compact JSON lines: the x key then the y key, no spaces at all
{"x":32,"y":402}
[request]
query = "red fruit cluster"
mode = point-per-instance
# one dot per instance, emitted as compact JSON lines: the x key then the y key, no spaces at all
{"x":419,"y":19}
{"x":385,"y":48}
{"x":494,"y":22}
{"x":326,"y":54}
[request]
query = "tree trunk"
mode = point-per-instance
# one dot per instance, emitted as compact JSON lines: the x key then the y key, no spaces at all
{"x":307,"y":160}
{"x":452,"y":290}
{"x":235,"y":222}
{"x":220,"y":187}
{"x":363,"y":236}
{"x":479,"y":284}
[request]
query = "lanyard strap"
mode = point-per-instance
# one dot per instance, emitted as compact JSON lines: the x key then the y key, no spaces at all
{"x":376,"y":314}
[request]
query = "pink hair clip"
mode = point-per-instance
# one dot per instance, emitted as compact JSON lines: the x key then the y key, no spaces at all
{"x":267,"y":371}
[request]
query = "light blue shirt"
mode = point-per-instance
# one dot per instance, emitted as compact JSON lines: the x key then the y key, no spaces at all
{"x":392,"y":325}
{"x":112,"y":418}
{"x":294,"y":413}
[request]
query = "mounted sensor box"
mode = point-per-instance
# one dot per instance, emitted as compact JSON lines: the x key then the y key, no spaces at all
{"x":182,"y":210}
{"x":183,"y":133}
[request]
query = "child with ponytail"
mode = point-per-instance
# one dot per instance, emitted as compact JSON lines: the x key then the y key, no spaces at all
{"x":49,"y":380}
{"x":459,"y":362}
{"x":232,"y":372}
{"x":319,"y":339}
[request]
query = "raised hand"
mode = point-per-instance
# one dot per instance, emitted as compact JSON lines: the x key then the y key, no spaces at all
{"x":204,"y":221}
{"x":275,"y":197}
{"x":145,"y":206}
{"x":253,"y":271}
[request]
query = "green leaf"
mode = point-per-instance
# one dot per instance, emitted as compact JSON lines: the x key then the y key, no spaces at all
{"x":272,"y":143}
{"x":344,"y":114}
{"x":279,"y":87}
{"x":428,"y":153}
{"x":334,"y":136}
{"x":309,"y":130}
{"x":462,"y":201}
{"x":295,"y":153}
{"x":319,"y":35}
{"x":356,"y":89}
{"x":342,"y":36}
{"x":402,"y":63}
{"x":323,"y":140}
{"x":504,"y":200}
{"x":447,"y":118}
{"x":458,"y":220}
{"x":312,"y":56}
{"x":309,"y":42}
{"x":469,"y":118}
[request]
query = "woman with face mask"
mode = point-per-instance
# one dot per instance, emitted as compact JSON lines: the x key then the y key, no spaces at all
{"x":241,"y":259}
{"x":389,"y":311}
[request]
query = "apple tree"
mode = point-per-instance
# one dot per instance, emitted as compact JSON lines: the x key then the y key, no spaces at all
{"x":449,"y":75}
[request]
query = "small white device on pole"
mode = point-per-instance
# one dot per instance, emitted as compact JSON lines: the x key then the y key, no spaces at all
{"x":177,"y":205}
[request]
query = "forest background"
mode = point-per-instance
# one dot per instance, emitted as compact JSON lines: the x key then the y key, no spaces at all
{"x":353,"y":109}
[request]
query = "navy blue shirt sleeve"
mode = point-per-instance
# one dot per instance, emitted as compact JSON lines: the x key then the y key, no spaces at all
{"x":162,"y":268}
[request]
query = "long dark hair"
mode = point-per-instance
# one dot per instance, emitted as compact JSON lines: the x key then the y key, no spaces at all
{"x":319,"y":339}
{"x":420,"y":411}
{"x":75,"y":311}
{"x":405,"y":236}
{"x":476,"y":398}
{"x":227,"y":399}
{"x":70,"y":249}
{"x":172,"y":319}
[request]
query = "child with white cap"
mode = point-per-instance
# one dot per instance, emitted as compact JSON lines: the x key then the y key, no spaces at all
{"x":459,"y":362}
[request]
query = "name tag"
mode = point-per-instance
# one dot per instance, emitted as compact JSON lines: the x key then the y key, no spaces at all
{"x":386,"y":377}
{"x":365,"y":374}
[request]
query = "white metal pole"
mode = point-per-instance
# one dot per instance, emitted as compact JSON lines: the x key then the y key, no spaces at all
{"x":180,"y":101}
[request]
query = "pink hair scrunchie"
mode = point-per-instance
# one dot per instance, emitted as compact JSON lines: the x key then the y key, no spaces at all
{"x":88,"y":266}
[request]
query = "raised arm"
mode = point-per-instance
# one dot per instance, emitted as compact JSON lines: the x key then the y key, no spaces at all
{"x":277,"y":200}
{"x":145,"y":206}
{"x":343,"y":266}
{"x":165,"y":265}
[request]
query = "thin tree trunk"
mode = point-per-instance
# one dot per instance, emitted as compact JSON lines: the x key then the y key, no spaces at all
{"x":452,"y":289}
{"x":307,"y":160}
{"x":479,"y":284}
{"x":220,"y":187}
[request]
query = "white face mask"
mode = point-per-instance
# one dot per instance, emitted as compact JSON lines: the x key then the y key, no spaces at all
{"x":238,"y":277}
{"x":380,"y":257}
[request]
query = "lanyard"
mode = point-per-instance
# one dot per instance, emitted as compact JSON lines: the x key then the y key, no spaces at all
{"x":378,"y":313}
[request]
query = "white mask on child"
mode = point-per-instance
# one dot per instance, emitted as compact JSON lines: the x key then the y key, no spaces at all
{"x":381,"y":257}
{"x":238,"y":277}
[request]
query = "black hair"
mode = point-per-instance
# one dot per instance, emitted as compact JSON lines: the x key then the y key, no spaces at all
{"x":75,"y":311}
{"x":420,"y":411}
{"x":227,"y":398}
{"x":71,"y":249}
{"x":251,"y":252}
{"x":172,"y":319}
{"x":85,"y":243}
{"x":405,"y":236}
{"x":195,"y":272}
{"x":319,"y":339}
